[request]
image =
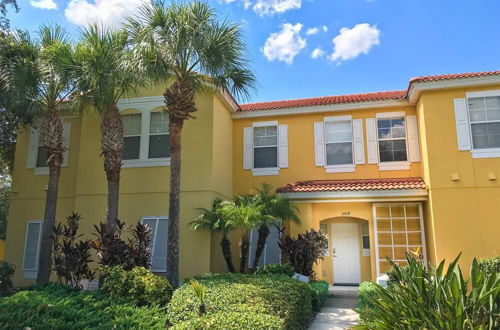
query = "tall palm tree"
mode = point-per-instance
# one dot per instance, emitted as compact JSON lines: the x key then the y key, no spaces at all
{"x":103,"y":73}
{"x":275,"y":210}
{"x":187,"y":47}
{"x":42,"y":79}
{"x":215,"y":220}
{"x":246,"y":215}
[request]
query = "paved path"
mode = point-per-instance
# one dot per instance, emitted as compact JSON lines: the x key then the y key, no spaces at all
{"x":337,"y":313}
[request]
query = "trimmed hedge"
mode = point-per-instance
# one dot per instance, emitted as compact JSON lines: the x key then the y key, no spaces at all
{"x":59,"y":307}
{"x":277,"y":295}
{"x":232,"y":320}
{"x":490,"y":266}
{"x":320,"y":293}
{"x":6,"y":272}
{"x":276,"y":269}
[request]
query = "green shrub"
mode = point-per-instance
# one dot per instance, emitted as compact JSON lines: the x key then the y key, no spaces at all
{"x":434,"y":299}
{"x":277,"y":269}
{"x":490,"y":265}
{"x":138,"y":286}
{"x":281,"y":296}
{"x":60,"y":307}
{"x":320,"y":293}
{"x":366,"y":291}
{"x":232,"y":321}
{"x":6,"y":272}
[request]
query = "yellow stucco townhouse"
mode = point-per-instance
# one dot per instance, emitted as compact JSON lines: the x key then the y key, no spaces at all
{"x":382,"y":173}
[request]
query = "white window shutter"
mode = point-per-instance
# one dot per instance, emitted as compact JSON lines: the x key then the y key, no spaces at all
{"x":248,"y":148}
{"x":359,"y":148}
{"x":32,"y":246}
{"x":33,"y":147}
{"x":462,"y":122}
{"x":371,"y":138}
{"x":66,"y":137}
{"x":283,"y":146}
{"x":319,"y":143}
{"x":413,"y":146}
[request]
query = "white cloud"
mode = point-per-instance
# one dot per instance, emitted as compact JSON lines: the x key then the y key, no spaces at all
{"x":108,"y":12}
{"x":271,"y":7}
{"x":350,"y":43}
{"x":315,"y":30}
{"x":317,"y":53}
{"x":44,"y":4}
{"x":324,"y":28}
{"x":247,"y":4}
{"x":285,"y":44}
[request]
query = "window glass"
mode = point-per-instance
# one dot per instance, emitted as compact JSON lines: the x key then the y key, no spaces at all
{"x":392,"y":139}
{"x":366,"y":236}
{"x":338,"y":138}
{"x":131,"y":136}
{"x":266,"y":147}
{"x":484,"y":114}
{"x":159,"y":239}
{"x":32,"y":245}
{"x":159,"y":139}
{"x":41,"y":154}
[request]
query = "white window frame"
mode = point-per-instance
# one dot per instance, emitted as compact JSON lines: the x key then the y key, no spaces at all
{"x":376,"y":232}
{"x":155,"y":134}
{"x":396,"y":165}
{"x":366,"y":251}
{"x":44,"y":170}
{"x":341,"y":168}
{"x":488,"y":152}
{"x":266,"y":170}
{"x":134,"y":135}
{"x":144,"y":106}
{"x":32,"y":273}
{"x":153,"y":241}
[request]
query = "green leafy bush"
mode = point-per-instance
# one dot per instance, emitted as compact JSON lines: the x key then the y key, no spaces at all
{"x":6,"y":272}
{"x":232,"y":321}
{"x":277,"y":269}
{"x":490,"y":265}
{"x":366,"y":291}
{"x":61,"y":307}
{"x":138,"y":286}
{"x":320,"y":293}
{"x":281,"y":296}
{"x":434,"y":299}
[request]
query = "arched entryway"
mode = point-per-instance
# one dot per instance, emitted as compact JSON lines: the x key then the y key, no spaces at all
{"x":348,"y":259}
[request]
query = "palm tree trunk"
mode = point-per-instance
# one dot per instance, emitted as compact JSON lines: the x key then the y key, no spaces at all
{"x":53,"y":143}
{"x":261,"y":243}
{"x":226,"y":252}
{"x":112,"y":150}
{"x":244,"y":245}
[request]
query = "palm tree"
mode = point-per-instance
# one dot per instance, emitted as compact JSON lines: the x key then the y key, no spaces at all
{"x":42,"y":79}
{"x":246,"y":215}
{"x":103,"y":75}
{"x":215,"y":220}
{"x":186,"y":47}
{"x":276,"y":210}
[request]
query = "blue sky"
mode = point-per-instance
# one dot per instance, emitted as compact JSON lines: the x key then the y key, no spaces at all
{"x":358,"y":45}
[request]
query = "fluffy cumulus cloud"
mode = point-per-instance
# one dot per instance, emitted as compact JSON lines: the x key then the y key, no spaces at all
{"x":350,"y":43}
{"x":107,"y":12}
{"x":44,"y":4}
{"x":317,"y":53}
{"x":271,"y":7}
{"x":284,"y":45}
{"x":315,"y":30}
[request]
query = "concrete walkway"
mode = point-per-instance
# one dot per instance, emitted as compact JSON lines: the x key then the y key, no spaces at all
{"x":338,"y":311}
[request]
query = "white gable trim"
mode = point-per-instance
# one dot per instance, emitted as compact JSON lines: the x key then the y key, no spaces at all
{"x":352,"y":194}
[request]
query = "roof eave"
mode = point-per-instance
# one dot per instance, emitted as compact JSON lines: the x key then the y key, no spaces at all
{"x":356,"y":194}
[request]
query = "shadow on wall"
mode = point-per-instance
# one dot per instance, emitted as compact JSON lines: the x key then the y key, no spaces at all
{"x":2,"y":249}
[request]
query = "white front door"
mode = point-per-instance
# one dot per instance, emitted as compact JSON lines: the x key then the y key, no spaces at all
{"x":345,"y":253}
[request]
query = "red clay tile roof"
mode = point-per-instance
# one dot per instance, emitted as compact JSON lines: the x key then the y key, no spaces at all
{"x":355,"y":98}
{"x":353,"y":185}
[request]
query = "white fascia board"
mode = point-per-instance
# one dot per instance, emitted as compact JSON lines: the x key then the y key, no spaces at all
{"x":320,"y":109}
{"x":418,"y":87}
{"x":141,"y":103}
{"x":357,"y":194}
{"x":362,"y":200}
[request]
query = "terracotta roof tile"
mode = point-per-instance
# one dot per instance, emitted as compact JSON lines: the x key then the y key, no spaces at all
{"x":454,"y":76}
{"x":354,"y":185}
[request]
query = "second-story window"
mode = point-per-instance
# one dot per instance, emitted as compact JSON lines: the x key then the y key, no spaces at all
{"x":131,"y":135}
{"x":159,"y":139}
{"x":391,"y":134}
{"x":265,"y":147}
{"x":41,"y":154}
{"x":484,"y":114}
{"x":338,"y":142}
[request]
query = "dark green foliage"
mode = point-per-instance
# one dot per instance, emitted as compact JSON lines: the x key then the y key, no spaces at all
{"x":434,"y":299}
{"x":6,"y":272}
{"x":277,"y":269}
{"x":304,"y":251}
{"x":366,"y":290}
{"x":59,"y":307}
{"x":71,"y":256}
{"x":281,"y":296}
{"x":320,"y":293}
{"x":490,"y":266}
{"x":232,"y":321}
{"x":138,"y":286}
{"x":393,"y":275}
